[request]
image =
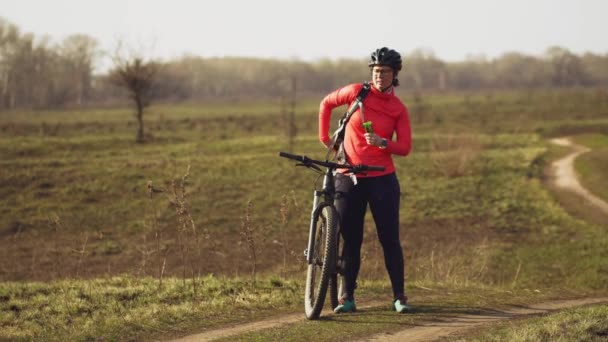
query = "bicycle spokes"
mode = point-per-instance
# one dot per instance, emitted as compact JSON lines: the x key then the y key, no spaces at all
{"x":320,"y":243}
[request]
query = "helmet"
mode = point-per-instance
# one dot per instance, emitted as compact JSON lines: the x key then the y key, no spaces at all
{"x":386,"y":56}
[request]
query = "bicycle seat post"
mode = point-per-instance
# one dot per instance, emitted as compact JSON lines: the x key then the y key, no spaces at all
{"x":328,"y":184}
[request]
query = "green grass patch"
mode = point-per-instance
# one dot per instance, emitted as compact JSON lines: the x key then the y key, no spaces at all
{"x":120,"y":308}
{"x":126,"y":308}
{"x":578,"y":324}
{"x":593,"y":141}
{"x":591,"y":166}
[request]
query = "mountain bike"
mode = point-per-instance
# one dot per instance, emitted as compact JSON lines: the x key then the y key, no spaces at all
{"x":323,"y":253}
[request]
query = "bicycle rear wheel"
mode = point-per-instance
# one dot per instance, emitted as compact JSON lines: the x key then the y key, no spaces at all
{"x":323,"y":261}
{"x":336,"y":282}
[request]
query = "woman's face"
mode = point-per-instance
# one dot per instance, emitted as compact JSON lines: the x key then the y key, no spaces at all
{"x":382,"y":77}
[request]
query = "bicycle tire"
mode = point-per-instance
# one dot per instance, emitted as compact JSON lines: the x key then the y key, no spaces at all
{"x":336,"y":283}
{"x":324,"y":261}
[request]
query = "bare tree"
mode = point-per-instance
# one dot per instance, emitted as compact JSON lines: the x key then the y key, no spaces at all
{"x":79,"y":52}
{"x":136,"y":75}
{"x":424,"y":70}
{"x":10,"y":46}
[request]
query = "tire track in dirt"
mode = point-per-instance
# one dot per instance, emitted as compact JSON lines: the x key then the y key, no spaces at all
{"x":451,"y":324}
{"x":242,"y":328}
{"x":256,"y":326}
{"x":565,"y":175}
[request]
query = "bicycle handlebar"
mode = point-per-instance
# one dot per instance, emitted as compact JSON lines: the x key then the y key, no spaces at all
{"x":311,"y":162}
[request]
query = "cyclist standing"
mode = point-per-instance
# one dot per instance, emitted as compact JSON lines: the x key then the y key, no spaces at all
{"x":380,"y":189}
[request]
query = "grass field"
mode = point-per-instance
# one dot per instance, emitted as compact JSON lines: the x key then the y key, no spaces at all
{"x":146,"y":240}
{"x":592,"y":166}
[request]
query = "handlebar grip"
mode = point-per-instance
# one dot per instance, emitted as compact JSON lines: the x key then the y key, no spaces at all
{"x":290,"y":156}
{"x":375,"y":168}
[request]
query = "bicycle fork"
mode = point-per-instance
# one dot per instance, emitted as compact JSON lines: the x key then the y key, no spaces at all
{"x":328,"y":191}
{"x":312,"y":231}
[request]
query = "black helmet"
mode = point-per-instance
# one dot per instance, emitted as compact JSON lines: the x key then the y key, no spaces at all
{"x":386,"y":56}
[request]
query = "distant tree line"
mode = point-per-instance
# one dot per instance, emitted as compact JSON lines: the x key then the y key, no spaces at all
{"x":34,"y":73}
{"x":37,"y":73}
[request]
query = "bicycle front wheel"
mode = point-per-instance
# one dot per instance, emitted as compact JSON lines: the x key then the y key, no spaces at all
{"x":323,"y":262}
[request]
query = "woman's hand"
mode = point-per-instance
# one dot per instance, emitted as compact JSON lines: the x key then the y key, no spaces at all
{"x":373,"y":139}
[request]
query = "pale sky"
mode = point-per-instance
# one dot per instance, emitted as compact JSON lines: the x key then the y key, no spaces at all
{"x":314,"y":29}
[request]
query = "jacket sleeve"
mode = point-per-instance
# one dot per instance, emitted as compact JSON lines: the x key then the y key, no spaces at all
{"x":403,"y":144}
{"x":337,"y":98}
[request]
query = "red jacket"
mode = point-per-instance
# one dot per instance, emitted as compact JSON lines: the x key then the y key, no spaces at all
{"x":387,"y":114}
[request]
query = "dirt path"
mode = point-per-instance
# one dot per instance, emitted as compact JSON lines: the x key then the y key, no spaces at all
{"x":429,"y":331}
{"x":243,"y":328}
{"x":255,"y":326}
{"x":425,"y":331}
{"x":565,"y":177}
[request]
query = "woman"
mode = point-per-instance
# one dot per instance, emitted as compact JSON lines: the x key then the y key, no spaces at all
{"x":389,"y":117}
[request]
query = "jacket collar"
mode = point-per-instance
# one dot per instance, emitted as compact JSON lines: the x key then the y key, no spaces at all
{"x":385,"y":95}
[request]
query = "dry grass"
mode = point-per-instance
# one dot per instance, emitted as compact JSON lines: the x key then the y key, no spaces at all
{"x":452,"y":154}
{"x":285,"y":211}
{"x":148,"y":252}
{"x":248,"y":232}
{"x":454,"y":264}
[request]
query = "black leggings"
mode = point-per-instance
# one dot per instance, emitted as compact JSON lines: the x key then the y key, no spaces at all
{"x":382,"y":193}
